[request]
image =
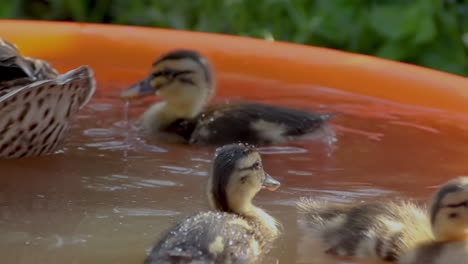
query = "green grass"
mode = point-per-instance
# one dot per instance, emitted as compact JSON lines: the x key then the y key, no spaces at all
{"x":433,"y":33}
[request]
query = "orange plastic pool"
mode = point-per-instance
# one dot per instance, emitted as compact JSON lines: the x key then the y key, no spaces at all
{"x":109,"y":194}
{"x":129,"y":47}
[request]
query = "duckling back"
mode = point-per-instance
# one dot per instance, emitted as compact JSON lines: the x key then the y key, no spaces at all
{"x":254,"y":123}
{"x":379,"y":230}
{"x":212,"y":237}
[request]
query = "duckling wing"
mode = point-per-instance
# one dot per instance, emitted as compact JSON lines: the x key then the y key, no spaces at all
{"x":34,"y":117}
{"x":254,"y":123}
{"x":208,"y":237}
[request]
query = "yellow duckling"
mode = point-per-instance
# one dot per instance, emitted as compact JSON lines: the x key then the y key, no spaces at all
{"x":449,"y":221}
{"x":184,"y":79}
{"x":36,"y":103}
{"x":374,"y":230}
{"x":236,"y":231}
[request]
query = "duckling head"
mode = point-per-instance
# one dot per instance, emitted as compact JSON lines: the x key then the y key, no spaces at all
{"x":449,"y":210}
{"x":183,"y":78}
{"x":237,"y":176}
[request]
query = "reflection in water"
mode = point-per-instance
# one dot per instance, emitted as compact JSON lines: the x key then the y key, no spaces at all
{"x":369,"y":135}
{"x":281,"y":150}
{"x":143,"y":212}
{"x":111,"y":192}
{"x":121,"y":182}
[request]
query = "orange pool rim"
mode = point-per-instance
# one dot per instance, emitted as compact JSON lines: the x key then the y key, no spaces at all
{"x":131,"y":47}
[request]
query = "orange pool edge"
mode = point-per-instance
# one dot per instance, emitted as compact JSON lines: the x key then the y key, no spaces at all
{"x":132,"y":47}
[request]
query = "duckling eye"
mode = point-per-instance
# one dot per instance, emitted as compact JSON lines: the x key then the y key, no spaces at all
{"x":453,"y":215}
{"x":165,"y":72}
{"x":257,"y":165}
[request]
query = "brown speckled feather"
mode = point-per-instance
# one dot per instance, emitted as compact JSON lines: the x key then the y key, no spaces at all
{"x":41,"y":69}
{"x":14,"y":66}
{"x":35,"y":117}
{"x":37,"y":104}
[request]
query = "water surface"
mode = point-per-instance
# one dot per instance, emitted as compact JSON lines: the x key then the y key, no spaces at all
{"x":108,"y":195}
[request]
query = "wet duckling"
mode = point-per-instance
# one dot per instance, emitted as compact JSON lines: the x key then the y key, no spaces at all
{"x":449,"y":221}
{"x":36,"y":103}
{"x":184,"y":79}
{"x":373,"y":230}
{"x":236,"y":231}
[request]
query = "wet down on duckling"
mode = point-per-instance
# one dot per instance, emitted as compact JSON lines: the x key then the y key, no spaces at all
{"x":185,"y":80}
{"x":235,"y":231}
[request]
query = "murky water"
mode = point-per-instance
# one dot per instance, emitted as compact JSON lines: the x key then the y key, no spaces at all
{"x":110,"y":193}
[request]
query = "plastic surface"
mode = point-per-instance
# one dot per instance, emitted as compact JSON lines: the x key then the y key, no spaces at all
{"x":124,"y":53}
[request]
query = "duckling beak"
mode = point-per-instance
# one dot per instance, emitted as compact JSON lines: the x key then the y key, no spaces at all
{"x":269,"y":183}
{"x":140,"y":88}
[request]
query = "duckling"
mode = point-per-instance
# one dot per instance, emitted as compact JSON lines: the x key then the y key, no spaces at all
{"x":449,"y":222}
{"x":184,"y":79}
{"x":36,"y":103}
{"x":373,"y":230}
{"x":236,"y":231}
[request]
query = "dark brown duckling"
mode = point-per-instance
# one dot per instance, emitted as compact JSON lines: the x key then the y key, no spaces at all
{"x":236,"y":231}
{"x":184,"y":79}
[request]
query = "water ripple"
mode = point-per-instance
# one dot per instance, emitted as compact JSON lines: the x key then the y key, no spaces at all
{"x":98,"y":132}
{"x":143,"y":212}
{"x":281,"y":150}
{"x":118,"y":182}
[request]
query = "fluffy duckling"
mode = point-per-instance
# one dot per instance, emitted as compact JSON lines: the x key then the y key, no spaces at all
{"x":374,"y":230}
{"x":449,"y":221}
{"x":36,"y":103}
{"x":184,"y":79}
{"x":236,"y":231}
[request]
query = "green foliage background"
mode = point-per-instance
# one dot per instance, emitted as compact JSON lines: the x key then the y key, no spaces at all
{"x":433,"y":33}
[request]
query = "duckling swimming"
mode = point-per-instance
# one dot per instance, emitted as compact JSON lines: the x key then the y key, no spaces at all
{"x":36,"y":103}
{"x":236,"y":231}
{"x":373,"y":230}
{"x":184,"y":79}
{"x":449,"y":221}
